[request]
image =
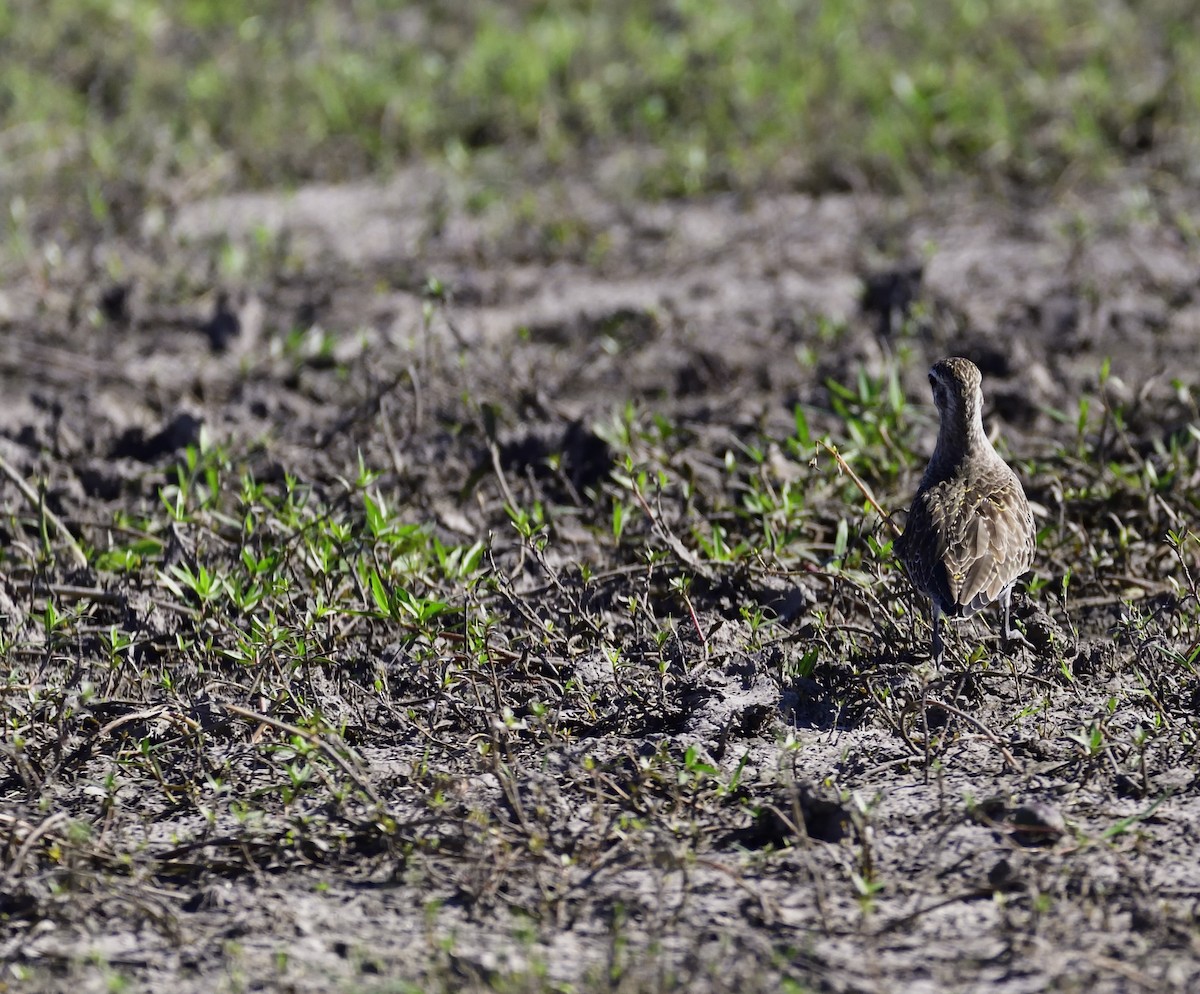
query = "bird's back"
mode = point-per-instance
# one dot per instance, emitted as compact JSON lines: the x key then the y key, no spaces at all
{"x":969,"y":536}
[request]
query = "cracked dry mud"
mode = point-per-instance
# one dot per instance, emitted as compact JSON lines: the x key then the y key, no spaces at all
{"x":688,"y":817}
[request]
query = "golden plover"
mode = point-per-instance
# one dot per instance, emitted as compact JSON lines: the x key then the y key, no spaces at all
{"x":969,"y":535}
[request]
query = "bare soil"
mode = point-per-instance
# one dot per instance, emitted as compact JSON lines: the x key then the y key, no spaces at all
{"x":591,"y":804}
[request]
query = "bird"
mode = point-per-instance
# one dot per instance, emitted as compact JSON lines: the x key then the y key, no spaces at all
{"x":969,"y":535}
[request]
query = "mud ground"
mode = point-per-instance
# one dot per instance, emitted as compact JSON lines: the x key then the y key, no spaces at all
{"x":806,"y":807}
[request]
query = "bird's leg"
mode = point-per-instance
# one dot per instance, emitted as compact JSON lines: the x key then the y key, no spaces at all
{"x":1011,"y":634}
{"x":936,"y":649}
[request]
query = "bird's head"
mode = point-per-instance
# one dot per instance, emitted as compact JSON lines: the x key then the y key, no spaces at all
{"x":956,"y":384}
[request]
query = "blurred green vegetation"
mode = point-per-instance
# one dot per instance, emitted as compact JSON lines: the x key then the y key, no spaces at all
{"x":144,"y":97}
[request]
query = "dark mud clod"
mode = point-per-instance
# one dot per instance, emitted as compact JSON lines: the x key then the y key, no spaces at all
{"x":888,"y":296}
{"x":177,"y":434}
{"x":1037,"y":825}
{"x":223,"y":326}
{"x":114,"y":303}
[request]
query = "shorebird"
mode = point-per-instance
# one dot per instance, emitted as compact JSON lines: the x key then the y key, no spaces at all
{"x":969,"y":535}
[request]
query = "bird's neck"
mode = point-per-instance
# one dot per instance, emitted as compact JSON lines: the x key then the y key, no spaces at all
{"x":960,"y":441}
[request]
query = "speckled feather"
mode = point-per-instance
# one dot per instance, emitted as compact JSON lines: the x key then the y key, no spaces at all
{"x":969,"y":533}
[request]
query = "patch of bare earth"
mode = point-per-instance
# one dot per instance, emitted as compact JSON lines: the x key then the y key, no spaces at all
{"x":633,"y":788}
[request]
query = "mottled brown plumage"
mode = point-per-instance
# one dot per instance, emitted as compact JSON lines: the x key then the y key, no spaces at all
{"x":969,"y":534}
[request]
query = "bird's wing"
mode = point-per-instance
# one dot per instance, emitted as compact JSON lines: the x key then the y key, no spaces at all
{"x":989,"y":543}
{"x":922,"y":548}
